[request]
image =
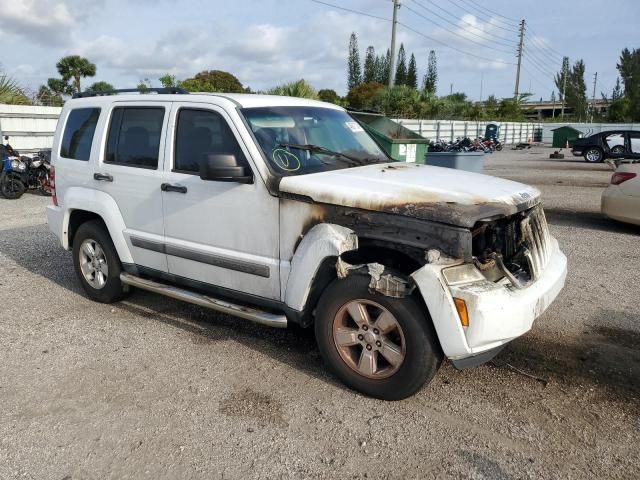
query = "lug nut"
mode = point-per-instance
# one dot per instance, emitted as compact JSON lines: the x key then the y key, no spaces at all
{"x":368,"y":347}
{"x":360,"y":337}
{"x":365,"y":328}
{"x":375,"y":330}
{"x":378,"y":343}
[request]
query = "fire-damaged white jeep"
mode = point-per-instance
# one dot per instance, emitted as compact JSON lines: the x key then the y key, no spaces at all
{"x":284,"y":210}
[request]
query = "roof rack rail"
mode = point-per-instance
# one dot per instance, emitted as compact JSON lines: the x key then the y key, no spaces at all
{"x":165,"y":90}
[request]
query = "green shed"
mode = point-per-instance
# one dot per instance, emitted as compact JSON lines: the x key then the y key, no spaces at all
{"x":398,"y":141}
{"x":562,"y":135}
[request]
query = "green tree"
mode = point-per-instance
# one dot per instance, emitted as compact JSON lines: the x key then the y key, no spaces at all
{"x":299,"y":88}
{"x":328,"y":95}
{"x":144,"y":85}
{"x":59,"y":87}
{"x":101,"y":87}
{"x":213,"y":81}
{"x":559,"y":78}
{"x":354,"y":69}
{"x":383,"y":68}
{"x":168,"y":81}
{"x":430,"y":82}
{"x":412,"y":73}
{"x":362,"y":96}
{"x":401,"y":69}
{"x":75,"y":67}
{"x":370,"y":65}
{"x":10,"y":92}
{"x":616,"y":93}
{"x":47,"y":97}
{"x":399,"y":101}
{"x":629,"y":69}
{"x":577,"y":94}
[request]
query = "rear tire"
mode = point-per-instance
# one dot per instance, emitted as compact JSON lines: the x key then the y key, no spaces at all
{"x":11,"y":186}
{"x":96,"y":263}
{"x":392,"y":358}
{"x":593,"y":155}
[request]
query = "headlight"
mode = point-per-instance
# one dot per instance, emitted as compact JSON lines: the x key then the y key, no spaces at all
{"x":461,"y":274}
{"x":15,"y":164}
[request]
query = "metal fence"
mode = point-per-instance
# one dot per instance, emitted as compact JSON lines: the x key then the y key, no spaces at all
{"x":510,"y":132}
{"x":29,"y":128}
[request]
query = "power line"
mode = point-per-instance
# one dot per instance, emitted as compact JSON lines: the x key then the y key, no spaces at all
{"x":501,"y":42}
{"x":453,"y":48}
{"x":471,"y":2}
{"x":512,"y":30}
{"x":455,"y":33}
{"x":352,"y":11}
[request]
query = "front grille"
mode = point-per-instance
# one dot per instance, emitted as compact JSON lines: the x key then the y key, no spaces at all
{"x":535,"y":236}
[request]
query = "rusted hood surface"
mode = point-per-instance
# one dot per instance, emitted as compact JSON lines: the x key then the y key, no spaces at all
{"x":420,"y":191}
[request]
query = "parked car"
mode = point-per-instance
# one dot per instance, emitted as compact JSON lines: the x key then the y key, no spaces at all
{"x":621,"y":199}
{"x":285,"y":211}
{"x":610,"y":144}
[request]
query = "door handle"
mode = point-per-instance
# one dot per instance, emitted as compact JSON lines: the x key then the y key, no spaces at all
{"x":102,"y":177}
{"x":167,"y":187}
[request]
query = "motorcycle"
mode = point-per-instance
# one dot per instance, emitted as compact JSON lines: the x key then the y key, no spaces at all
{"x":21,"y":173}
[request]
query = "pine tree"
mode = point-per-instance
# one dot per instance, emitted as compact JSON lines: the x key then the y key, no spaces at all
{"x":370,"y":65}
{"x":412,"y":73}
{"x":617,"y":91}
{"x":382,"y":70}
{"x":430,"y":82}
{"x":354,"y":69}
{"x":401,"y":69}
{"x":560,"y":77}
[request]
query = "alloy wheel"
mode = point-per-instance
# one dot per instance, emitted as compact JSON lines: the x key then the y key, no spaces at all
{"x":93,"y":263}
{"x":369,"y":339}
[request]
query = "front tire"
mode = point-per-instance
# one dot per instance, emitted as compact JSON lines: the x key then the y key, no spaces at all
{"x":593,"y":155}
{"x":11,"y":186}
{"x":96,"y":263}
{"x":381,"y":346}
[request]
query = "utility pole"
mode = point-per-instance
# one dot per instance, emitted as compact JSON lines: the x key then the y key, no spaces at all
{"x":520,"y":52}
{"x":564,"y":90}
{"x":481,"y":81}
{"x":392,"y":65}
{"x":593,"y":102}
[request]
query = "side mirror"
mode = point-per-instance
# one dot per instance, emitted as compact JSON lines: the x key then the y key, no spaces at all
{"x":224,"y":168}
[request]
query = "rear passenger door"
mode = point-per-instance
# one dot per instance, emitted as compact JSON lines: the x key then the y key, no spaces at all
{"x":130,"y":169}
{"x":634,"y":144}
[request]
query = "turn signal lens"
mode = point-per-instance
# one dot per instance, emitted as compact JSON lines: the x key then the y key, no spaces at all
{"x":621,"y":177}
{"x":462,"y":311}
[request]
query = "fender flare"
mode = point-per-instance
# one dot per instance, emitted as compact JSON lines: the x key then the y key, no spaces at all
{"x":102,"y":204}
{"x":322,"y":241}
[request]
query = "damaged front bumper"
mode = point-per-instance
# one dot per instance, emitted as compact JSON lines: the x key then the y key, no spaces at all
{"x":497,"y":311}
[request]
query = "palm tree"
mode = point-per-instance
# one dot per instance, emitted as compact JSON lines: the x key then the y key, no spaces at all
{"x":299,"y":88}
{"x":10,"y":92}
{"x":75,"y":67}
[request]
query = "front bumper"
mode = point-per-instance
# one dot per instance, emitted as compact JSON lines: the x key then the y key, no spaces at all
{"x":498,"y":313}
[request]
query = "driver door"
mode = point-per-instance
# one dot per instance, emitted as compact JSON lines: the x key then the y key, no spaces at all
{"x":219,"y":233}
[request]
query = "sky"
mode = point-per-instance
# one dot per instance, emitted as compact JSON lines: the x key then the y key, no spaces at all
{"x":269,"y":42}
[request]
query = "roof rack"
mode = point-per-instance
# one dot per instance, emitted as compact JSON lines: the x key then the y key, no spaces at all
{"x":165,"y":90}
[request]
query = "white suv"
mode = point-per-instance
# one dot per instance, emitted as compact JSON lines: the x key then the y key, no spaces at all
{"x":284,"y":210}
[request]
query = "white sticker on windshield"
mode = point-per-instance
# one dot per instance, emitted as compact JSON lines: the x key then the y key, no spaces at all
{"x":354,"y":127}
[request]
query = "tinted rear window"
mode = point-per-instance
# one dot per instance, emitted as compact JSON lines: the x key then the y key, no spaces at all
{"x":134,"y":136}
{"x":78,"y":133}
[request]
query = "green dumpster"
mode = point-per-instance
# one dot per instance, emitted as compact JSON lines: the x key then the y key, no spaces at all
{"x":399,"y":142}
{"x":564,"y":135}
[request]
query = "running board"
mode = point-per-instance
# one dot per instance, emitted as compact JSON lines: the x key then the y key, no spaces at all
{"x":248,"y":313}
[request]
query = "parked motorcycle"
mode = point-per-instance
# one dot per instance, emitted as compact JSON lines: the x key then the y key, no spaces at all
{"x":21,"y":173}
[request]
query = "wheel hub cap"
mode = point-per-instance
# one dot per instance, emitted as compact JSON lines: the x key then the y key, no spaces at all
{"x":93,"y":263}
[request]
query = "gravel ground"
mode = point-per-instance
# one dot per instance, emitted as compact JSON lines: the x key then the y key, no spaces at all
{"x":154,"y":388}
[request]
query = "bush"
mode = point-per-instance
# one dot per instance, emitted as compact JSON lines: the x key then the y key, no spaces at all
{"x":299,"y":88}
{"x":362,"y":97}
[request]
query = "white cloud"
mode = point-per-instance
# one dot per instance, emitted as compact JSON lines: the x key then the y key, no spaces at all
{"x":43,"y":21}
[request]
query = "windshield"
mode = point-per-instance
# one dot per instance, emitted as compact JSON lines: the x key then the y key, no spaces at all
{"x":301,"y":140}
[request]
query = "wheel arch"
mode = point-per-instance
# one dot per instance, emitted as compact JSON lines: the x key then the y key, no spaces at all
{"x":82,"y":205}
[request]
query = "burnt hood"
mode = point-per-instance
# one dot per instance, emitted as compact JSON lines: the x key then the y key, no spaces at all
{"x":420,"y":191}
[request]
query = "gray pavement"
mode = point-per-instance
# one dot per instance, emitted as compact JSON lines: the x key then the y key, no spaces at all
{"x":154,"y":388}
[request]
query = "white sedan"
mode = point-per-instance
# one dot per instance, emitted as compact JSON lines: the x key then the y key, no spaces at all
{"x":621,"y":199}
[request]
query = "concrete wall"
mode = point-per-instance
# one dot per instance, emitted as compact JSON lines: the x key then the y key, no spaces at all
{"x":29,"y":128}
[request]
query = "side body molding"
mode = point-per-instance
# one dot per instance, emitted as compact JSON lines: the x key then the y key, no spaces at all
{"x":322,"y":241}
{"x":100,"y":203}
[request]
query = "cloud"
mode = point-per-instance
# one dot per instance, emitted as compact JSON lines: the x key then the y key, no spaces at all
{"x":42,"y":21}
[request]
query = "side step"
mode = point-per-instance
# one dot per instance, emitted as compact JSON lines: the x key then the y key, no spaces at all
{"x":248,"y":313}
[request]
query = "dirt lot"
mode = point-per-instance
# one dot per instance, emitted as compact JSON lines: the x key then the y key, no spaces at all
{"x":153,"y":388}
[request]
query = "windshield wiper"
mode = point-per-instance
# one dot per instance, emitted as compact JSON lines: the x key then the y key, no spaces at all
{"x":326,"y":151}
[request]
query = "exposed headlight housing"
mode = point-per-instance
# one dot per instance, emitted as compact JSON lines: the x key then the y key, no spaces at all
{"x":461,"y":274}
